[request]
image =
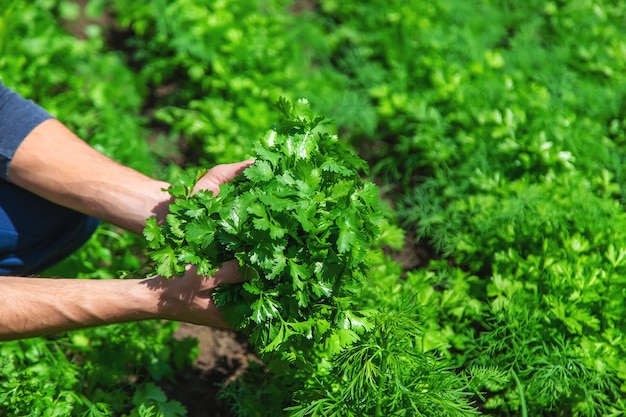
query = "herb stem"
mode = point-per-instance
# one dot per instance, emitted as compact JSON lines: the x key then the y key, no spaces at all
{"x":382,"y":375}
{"x":520,"y":390}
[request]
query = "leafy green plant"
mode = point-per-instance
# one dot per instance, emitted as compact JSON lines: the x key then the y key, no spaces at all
{"x":386,"y":373}
{"x":495,"y":127}
{"x":391,"y":370}
{"x":216,"y":68}
{"x":94,"y":372}
{"x":300,"y":221}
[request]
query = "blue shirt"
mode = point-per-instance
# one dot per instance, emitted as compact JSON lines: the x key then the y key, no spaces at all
{"x":18,"y":117}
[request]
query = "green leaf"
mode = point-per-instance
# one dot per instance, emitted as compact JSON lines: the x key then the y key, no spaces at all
{"x":336,"y":168}
{"x":275,"y":264}
{"x":206,"y":267}
{"x":261,"y":223}
{"x":167,"y":264}
{"x":149,"y":392}
{"x":188,"y":256}
{"x":346,"y":239}
{"x":265,"y":154}
{"x":252,"y":288}
{"x":152,"y":233}
{"x":275,"y":343}
{"x":201,"y":232}
{"x":356,"y":322}
{"x":341,"y":189}
{"x":190,"y":208}
{"x":175,"y":225}
{"x":305,"y":216}
{"x":276,"y":231}
{"x":339,"y":339}
{"x":298,"y":273}
{"x":322,"y":289}
{"x":275,"y":203}
{"x":322,"y":326}
{"x":368,"y":194}
{"x":260,"y":171}
{"x":232,"y":222}
{"x":302,"y":297}
{"x":264,"y":308}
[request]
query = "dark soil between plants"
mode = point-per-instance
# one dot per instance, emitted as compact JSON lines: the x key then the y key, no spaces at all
{"x":223,"y":355}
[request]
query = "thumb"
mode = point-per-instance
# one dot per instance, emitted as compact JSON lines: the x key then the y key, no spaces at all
{"x":220,"y":174}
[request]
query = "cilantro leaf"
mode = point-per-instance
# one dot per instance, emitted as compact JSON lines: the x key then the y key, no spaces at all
{"x":302,"y":218}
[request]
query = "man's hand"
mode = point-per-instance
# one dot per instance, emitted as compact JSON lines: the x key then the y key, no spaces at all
{"x":188,"y":298}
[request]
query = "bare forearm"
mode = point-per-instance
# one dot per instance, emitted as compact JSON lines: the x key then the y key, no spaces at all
{"x":37,"y":306}
{"x":55,"y":164}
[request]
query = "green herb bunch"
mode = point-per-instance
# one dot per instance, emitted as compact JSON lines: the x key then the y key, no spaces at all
{"x":386,"y":373}
{"x":300,"y":221}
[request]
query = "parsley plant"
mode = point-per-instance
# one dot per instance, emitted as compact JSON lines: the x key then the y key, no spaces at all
{"x":300,"y":221}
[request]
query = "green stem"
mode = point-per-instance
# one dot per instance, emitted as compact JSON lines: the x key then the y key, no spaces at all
{"x":381,"y":376}
{"x":520,"y":390}
{"x":603,"y":318}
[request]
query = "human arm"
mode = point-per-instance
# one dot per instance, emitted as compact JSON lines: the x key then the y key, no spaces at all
{"x":40,"y":306}
{"x":54,"y":163}
{"x":37,"y":306}
{"x":57,"y":165}
{"x":85,"y":180}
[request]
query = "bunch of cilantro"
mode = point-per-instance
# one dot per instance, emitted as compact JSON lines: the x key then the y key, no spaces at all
{"x":300,"y":221}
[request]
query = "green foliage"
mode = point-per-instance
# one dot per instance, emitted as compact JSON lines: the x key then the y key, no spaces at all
{"x":386,"y":373}
{"x":223,"y":63}
{"x":500,"y":125}
{"x":300,"y":221}
{"x":303,"y":225}
{"x":95,"y":372}
{"x":495,"y":128}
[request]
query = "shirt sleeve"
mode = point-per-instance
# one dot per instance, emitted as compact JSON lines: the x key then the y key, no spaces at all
{"x":18,"y":117}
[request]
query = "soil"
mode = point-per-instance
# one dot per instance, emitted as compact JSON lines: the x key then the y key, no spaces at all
{"x":413,"y":254}
{"x":223,"y":356}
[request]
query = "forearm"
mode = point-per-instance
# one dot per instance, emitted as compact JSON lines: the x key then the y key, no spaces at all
{"x":55,"y":164}
{"x":37,"y":306}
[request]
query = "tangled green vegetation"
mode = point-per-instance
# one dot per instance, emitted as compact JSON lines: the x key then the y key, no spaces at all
{"x":494,"y":131}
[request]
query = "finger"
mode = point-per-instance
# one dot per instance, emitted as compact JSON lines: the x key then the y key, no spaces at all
{"x":228,"y":273}
{"x":221,"y":174}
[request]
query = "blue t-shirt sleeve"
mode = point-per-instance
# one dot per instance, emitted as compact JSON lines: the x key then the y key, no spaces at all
{"x":18,"y":117}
